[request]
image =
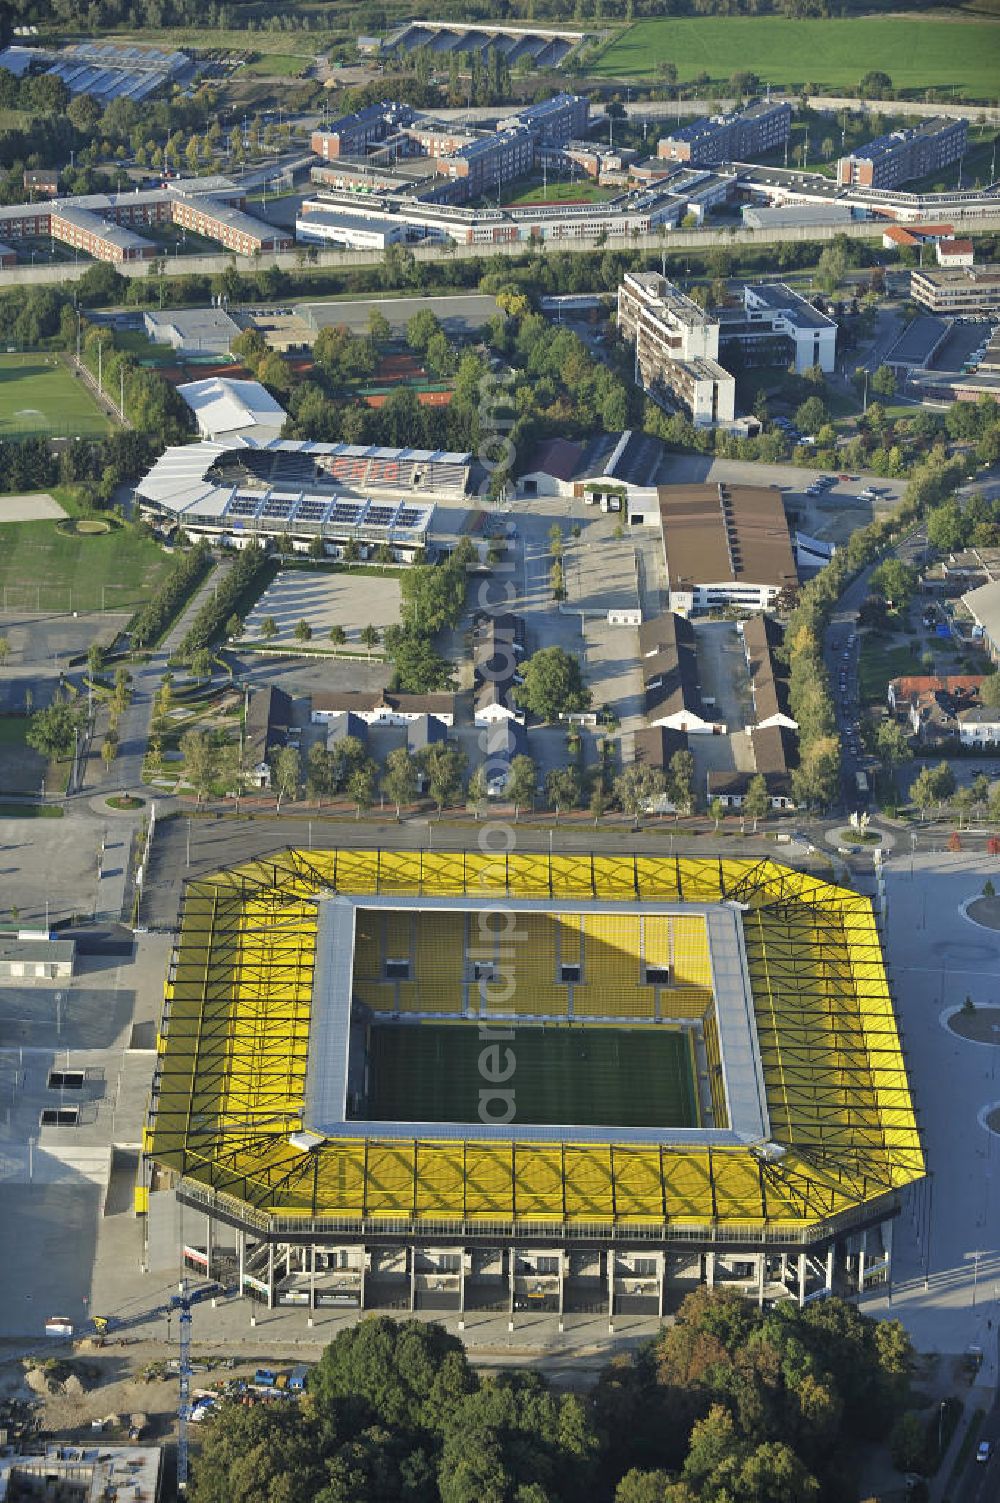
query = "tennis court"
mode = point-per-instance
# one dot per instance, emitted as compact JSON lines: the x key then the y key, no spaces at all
{"x":573,"y":1075}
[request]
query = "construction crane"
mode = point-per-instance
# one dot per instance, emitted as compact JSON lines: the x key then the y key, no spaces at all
{"x":182,"y":1303}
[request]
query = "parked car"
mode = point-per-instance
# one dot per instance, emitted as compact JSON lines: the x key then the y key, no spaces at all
{"x":984,"y":1451}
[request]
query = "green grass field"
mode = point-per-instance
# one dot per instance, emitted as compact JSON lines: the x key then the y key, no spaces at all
{"x":611,"y":1077}
{"x":278,"y":65}
{"x":960,"y":56}
{"x":38,"y":394}
{"x":878,"y":664}
{"x":559,"y":192}
{"x":40,"y":567}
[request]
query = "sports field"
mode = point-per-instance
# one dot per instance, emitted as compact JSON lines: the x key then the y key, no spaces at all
{"x":602,"y":1077}
{"x":39,"y":394}
{"x":43,"y":569}
{"x":960,"y":56}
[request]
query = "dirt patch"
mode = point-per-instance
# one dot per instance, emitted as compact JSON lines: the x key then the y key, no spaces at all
{"x":985,"y":911}
{"x":37,"y":508}
{"x":978,"y":1026}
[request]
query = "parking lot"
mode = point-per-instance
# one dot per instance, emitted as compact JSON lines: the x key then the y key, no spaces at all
{"x":41,"y":647}
{"x":324,"y":600}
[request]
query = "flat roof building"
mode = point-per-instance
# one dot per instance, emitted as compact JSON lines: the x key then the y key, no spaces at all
{"x":904,"y":154}
{"x":759,"y":127}
{"x":676,"y":349}
{"x":351,"y":135}
{"x":316,"y":225}
{"x":725,"y":545}
{"x":957,"y":292}
{"x":192,"y":331}
{"x":772,"y":309}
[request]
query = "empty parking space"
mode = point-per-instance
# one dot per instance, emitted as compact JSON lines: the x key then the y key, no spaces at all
{"x":324,"y":600}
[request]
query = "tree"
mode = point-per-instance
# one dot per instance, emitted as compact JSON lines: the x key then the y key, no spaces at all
{"x":884,"y":381}
{"x":319,"y":771}
{"x":53,"y":731}
{"x":338,"y":635}
{"x":317,"y":548}
{"x":399,"y":780}
{"x":95,"y":659}
{"x":923,"y":791}
{"x":268,"y":628}
{"x":444,"y":763}
{"x":717,"y":809}
{"x":361,"y":785}
{"x":553,"y":684}
{"x":895,"y":580}
{"x":234,"y":628}
{"x":370,"y":637}
{"x":680,"y":781}
{"x":521,"y":782}
{"x":637,"y":787}
{"x":287,"y":770}
{"x":757,"y":803}
{"x":196,"y":749}
{"x":832,"y":266}
{"x":893,"y":744}
{"x":989,"y":691}
{"x":109,"y":748}
{"x":201,"y":664}
{"x":303,"y":632}
{"x":875,"y":85}
{"x":810,"y":415}
{"x":946,"y":527}
{"x":563,"y":788}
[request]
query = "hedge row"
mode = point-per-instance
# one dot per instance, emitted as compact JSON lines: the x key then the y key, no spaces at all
{"x":210,"y":622}
{"x":156,"y":615}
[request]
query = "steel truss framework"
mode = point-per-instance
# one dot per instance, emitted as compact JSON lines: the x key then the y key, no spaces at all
{"x":229,"y":1085}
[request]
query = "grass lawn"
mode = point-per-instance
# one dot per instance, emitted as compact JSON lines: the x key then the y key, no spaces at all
{"x":278,"y":65}
{"x":559,"y":192}
{"x":878,"y":664}
{"x":38,"y":394}
{"x":960,"y":56}
{"x":40,"y":568}
{"x":614,"y":1077}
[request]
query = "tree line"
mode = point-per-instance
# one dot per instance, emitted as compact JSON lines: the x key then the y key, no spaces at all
{"x":731,"y":1404}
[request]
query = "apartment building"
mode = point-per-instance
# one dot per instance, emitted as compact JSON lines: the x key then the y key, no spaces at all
{"x":760,"y":127}
{"x":230,"y":227}
{"x":676,"y":349}
{"x":956,"y":292}
{"x":102,"y":239}
{"x":352,"y":135}
{"x":554,"y":121}
{"x":489,"y":161}
{"x":904,"y":154}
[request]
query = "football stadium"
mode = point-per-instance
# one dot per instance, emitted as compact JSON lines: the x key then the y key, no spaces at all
{"x":462,"y":1081}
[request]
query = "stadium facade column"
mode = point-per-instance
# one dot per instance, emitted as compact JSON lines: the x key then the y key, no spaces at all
{"x":241,"y":1255}
{"x":412,"y":1255}
{"x":887,"y":1247}
{"x":462,"y":1254}
{"x":861,"y":1262}
{"x":270,"y":1275}
{"x":828,"y":1282}
{"x":512,"y":1272}
{"x":761,"y":1278}
{"x":661,"y":1283}
{"x":361,"y":1277}
{"x":710,"y":1270}
{"x":208,"y":1245}
{"x":802,"y":1280}
{"x":611,"y":1290}
{"x":312,"y":1284}
{"x":562,"y":1292}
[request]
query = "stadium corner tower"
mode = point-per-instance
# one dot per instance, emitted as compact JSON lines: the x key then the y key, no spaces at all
{"x":457,"y":1082}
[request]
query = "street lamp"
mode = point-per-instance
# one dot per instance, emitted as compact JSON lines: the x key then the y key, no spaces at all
{"x":975,"y":1256}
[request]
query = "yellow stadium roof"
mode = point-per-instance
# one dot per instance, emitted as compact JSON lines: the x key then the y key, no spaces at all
{"x":226,"y":1114}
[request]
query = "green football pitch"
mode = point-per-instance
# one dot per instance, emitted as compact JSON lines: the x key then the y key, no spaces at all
{"x":41,"y":395}
{"x":573,"y":1074}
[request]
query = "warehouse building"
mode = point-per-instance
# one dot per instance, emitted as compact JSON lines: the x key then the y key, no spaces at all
{"x":757,"y":128}
{"x":365,"y":1172}
{"x":725,"y":545}
{"x":957,"y":292}
{"x":903,"y":154}
{"x":192,"y":331}
{"x":676,"y":349}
